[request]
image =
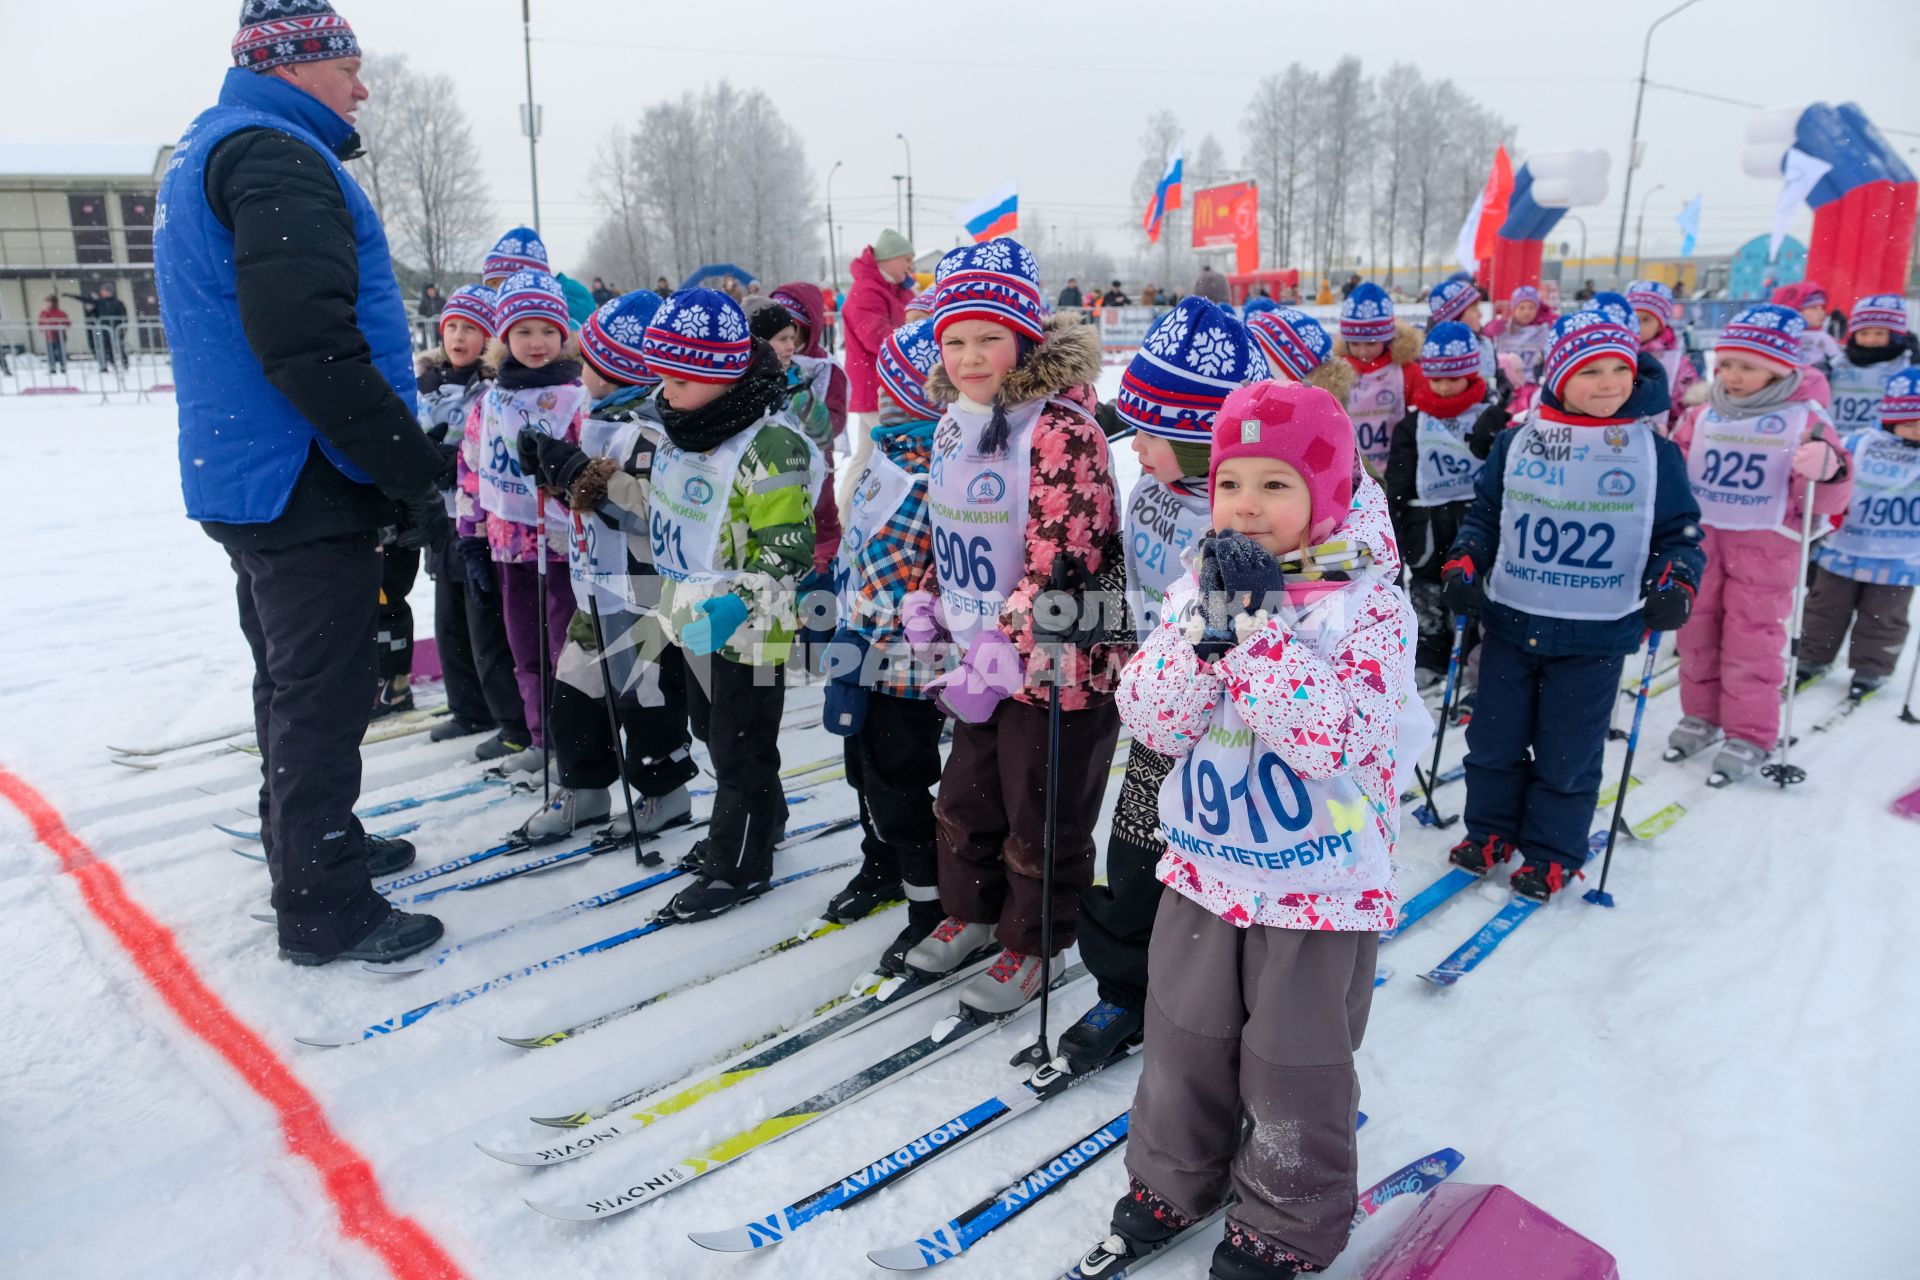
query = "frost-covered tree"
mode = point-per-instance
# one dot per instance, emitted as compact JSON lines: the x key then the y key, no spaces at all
{"x":423,"y":167}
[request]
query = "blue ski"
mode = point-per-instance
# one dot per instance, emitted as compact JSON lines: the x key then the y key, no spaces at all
{"x":1424,"y":903}
{"x":1469,"y":955}
{"x":393,"y":806}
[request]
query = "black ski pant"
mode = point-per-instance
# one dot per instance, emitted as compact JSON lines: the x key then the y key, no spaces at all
{"x":735,"y":709}
{"x":475,"y":661}
{"x":1116,"y":918}
{"x":393,"y":636}
{"x":307,"y":612}
{"x":893,"y":766}
{"x":659,"y":755}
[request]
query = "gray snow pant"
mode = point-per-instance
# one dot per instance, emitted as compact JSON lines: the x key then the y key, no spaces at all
{"x":1879,"y":616}
{"x":1249,"y":1083}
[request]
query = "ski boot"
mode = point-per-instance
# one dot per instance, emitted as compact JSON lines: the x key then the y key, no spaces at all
{"x":1805,"y":677}
{"x":947,"y":947}
{"x":1689,"y":738}
{"x":922,"y":919}
{"x":501,"y":746}
{"x":1143,"y":1224}
{"x":1239,"y":1257}
{"x":385,"y":856}
{"x":1480,"y":856}
{"x":1103,"y":1032}
{"x":568,"y":811}
{"x":1539,"y":879}
{"x":706,"y":898}
{"x":456,"y":727}
{"x":863,"y":895}
{"x":398,"y":936}
{"x":1009,"y":982}
{"x":1737,"y":760}
{"x":655,"y":814}
{"x":1863,"y":686}
{"x":392,"y":696}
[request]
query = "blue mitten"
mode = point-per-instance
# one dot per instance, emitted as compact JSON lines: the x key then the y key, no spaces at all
{"x":845,"y":709}
{"x":723,"y":616}
{"x":1249,"y":574}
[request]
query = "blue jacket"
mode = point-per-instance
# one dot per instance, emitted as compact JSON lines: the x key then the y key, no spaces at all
{"x":281,"y":342}
{"x":1675,"y":544}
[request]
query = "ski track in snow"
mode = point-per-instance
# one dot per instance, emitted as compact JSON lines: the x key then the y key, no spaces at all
{"x":1713,"y":1079}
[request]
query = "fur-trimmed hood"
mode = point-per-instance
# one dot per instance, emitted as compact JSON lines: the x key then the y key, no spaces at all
{"x":1068,"y":356}
{"x":1335,"y":377}
{"x":1404,"y":349}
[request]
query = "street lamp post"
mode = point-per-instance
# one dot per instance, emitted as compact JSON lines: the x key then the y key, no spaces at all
{"x":833,"y":255}
{"x":1633,"y":145}
{"x":909,"y":147}
{"x":1640,"y":225}
{"x":1574,"y":217}
{"x":898,"y":178}
{"x":532,"y":122}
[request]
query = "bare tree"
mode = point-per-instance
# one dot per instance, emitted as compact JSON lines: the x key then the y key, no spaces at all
{"x":1277,"y":128}
{"x":1399,"y":97}
{"x":423,"y":166}
{"x":621,"y":246}
{"x":1209,"y":163}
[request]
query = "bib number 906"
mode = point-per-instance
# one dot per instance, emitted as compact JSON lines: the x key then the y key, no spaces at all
{"x":964,"y":563}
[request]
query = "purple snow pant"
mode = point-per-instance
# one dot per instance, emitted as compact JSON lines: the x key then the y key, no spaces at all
{"x":520,"y":608}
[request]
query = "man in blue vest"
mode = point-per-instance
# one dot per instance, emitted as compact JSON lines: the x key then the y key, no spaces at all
{"x":298,"y":444}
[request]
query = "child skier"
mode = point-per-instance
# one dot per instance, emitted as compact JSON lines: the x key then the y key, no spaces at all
{"x":878,"y":699}
{"x":1377,"y":346}
{"x":1751,"y":451}
{"x":1582,"y":536}
{"x":1298,"y":349}
{"x":1524,"y":332}
{"x":808,"y":308}
{"x":1652,"y":304}
{"x":1818,"y":350}
{"x":1866,"y":572}
{"x":1878,"y":346}
{"x":1437,"y":452}
{"x":1169,"y":395}
{"x":1458,"y":300}
{"x":476,"y":664}
{"x":1263,"y":952}
{"x":520,"y":249}
{"x":538,"y":385}
{"x":1019,"y":477}
{"x":611,"y":555}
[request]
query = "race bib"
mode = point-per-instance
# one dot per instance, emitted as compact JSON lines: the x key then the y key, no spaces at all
{"x":690,"y":507}
{"x":1161,"y":523}
{"x":1377,"y":402}
{"x":1857,"y":391}
{"x":877,"y":495}
{"x":1447,"y":468}
{"x":1883,"y":520}
{"x":1738,"y":468}
{"x":504,"y":491}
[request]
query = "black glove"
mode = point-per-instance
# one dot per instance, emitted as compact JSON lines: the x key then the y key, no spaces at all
{"x":478,"y":560}
{"x":1668,"y":607}
{"x":1072,"y":610}
{"x":1249,"y":574}
{"x":438,"y":432}
{"x":1488,"y":426}
{"x":1460,"y":586}
{"x":553,"y":462}
{"x":425,"y":522}
{"x":449,"y":473}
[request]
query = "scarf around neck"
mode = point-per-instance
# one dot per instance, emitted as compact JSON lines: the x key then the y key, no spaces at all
{"x":760,"y":390}
{"x":1771,"y":396}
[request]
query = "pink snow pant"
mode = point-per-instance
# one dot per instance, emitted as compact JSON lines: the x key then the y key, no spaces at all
{"x":520,"y":610}
{"x":1733,"y":648}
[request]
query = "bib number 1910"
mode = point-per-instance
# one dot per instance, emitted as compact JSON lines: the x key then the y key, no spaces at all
{"x":1286,"y":802}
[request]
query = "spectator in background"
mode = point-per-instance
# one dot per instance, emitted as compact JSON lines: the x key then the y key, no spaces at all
{"x":1212,"y":286}
{"x":1353,"y":282}
{"x":875,"y":306}
{"x":54,"y":323}
{"x":662,"y":288}
{"x":1586,"y":292}
{"x":1150,"y":296}
{"x":106,"y":326}
{"x":601,"y":293}
{"x":1071,"y":296}
{"x":427,"y":316}
{"x":1115,"y":296}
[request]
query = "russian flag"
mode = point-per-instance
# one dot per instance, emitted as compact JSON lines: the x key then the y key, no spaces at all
{"x":1166,"y":195}
{"x":996,"y":215}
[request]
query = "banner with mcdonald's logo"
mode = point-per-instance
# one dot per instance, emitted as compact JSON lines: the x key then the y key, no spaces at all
{"x":1229,"y":217}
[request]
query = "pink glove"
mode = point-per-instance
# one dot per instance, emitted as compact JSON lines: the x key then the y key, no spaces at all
{"x":1816,"y":460}
{"x":920,"y":618}
{"x":990,"y":671}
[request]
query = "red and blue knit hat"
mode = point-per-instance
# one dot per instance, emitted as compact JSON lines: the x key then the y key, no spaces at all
{"x":1524,"y":293}
{"x":1293,"y":341}
{"x":1367,"y":314}
{"x":905,"y":359}
{"x":1192,"y":358}
{"x":531,"y":295}
{"x":521,"y":249}
{"x":997,"y":280}
{"x":1900,"y":402}
{"x":471,"y":302}
{"x":1767,"y":331}
{"x":1653,"y":298}
{"x":700,"y":335}
{"x":1878,"y":311}
{"x":1604,"y":329}
{"x":921,"y":302}
{"x":1449,"y":300}
{"x":1450,"y":351}
{"x":1799,"y":296}
{"x":280,"y":33}
{"x":610,"y":339}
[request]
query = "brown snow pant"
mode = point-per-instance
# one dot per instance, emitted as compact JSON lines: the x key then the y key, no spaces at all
{"x":1879,"y":616}
{"x":1249,"y":1083}
{"x":991,"y":813}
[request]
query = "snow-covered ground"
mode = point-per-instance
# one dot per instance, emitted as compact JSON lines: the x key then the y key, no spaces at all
{"x":1715,"y":1079}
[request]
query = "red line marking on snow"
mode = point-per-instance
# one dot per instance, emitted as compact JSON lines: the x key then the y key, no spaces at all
{"x":403,"y":1244}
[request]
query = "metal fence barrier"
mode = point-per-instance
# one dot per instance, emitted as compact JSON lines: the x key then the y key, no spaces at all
{"x":109,"y":362}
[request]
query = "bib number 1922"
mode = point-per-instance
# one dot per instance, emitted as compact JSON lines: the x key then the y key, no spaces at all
{"x":1548,"y":541}
{"x":1286,"y":802}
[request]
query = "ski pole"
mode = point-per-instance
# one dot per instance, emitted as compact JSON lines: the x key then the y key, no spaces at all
{"x":1600,"y":897}
{"x":1428,"y":815}
{"x":1906,"y":708}
{"x":1784,"y":773}
{"x":645,"y":858}
{"x":1040,"y":1051}
{"x":540,"y":630}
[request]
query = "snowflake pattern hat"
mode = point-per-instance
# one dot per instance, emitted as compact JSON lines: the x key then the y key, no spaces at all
{"x":521,"y":249}
{"x":1900,"y":402}
{"x":472,"y":302}
{"x":1879,"y":311}
{"x":1190,"y":360}
{"x":1449,"y":300}
{"x":906,"y":358}
{"x":1603,"y":329}
{"x":610,"y":339}
{"x":1367,"y":314}
{"x":1293,"y":341}
{"x":280,"y":33}
{"x":531,"y":295}
{"x":700,"y":335}
{"x":1450,"y":351}
{"x":1765,"y":331}
{"x":997,"y":280}
{"x":1653,"y":298}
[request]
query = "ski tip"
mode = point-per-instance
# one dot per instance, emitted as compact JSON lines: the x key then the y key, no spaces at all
{"x":250,"y":856}
{"x":394,"y":968}
{"x":578,"y":1120}
{"x":236,"y":832}
{"x":1441,"y":977}
{"x":564,"y":1212}
{"x":328,"y":1042}
{"x":905,"y":1257}
{"x":533,"y":1042}
{"x":733,"y":1239}
{"x":525,"y":1159}
{"x":1382,"y":975}
{"x":264,"y":917}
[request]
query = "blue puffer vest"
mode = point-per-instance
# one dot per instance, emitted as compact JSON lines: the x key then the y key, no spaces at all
{"x":242,"y":443}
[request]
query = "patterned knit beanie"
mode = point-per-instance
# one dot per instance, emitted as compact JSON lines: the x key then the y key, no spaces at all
{"x":471,"y":302}
{"x":1900,"y":402}
{"x":1878,"y":311}
{"x":1293,"y":341}
{"x":1653,"y":298}
{"x":1524,"y":293}
{"x":531,"y":295}
{"x":280,"y":33}
{"x":700,"y":335}
{"x":1367,"y":314}
{"x":1191,"y":358}
{"x":610,"y":339}
{"x":1450,"y":351}
{"x":765,"y":317}
{"x":903,"y":363}
{"x":521,"y":249}
{"x":1594,"y":333}
{"x":1450,"y":299}
{"x":1302,"y":426}
{"x":1766,"y":332}
{"x":997,"y":280}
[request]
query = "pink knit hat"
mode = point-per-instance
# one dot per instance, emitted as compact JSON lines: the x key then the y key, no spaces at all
{"x":1300,"y":425}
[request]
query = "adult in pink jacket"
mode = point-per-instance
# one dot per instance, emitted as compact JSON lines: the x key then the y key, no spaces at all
{"x":1752,"y":451}
{"x":876,"y":305}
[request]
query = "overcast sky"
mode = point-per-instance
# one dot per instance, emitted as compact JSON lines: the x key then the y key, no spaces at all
{"x":1053,"y":94}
